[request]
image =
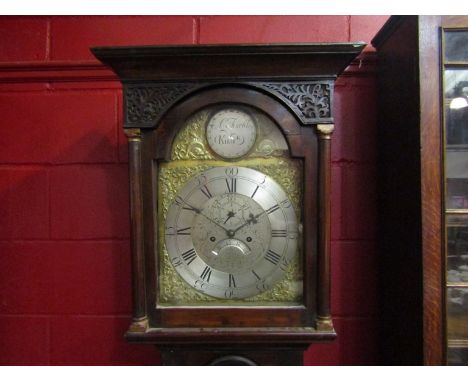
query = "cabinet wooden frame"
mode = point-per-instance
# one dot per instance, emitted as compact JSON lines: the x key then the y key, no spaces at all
{"x":163,"y":86}
{"x":411,"y":144}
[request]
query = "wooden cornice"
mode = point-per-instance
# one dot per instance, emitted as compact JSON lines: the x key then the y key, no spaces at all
{"x":89,"y":71}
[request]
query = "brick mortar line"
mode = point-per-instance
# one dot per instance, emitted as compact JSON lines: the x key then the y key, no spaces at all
{"x":48,"y":90}
{"x":348,"y":21}
{"x":48,"y":39}
{"x":49,"y":203}
{"x":52,"y":315}
{"x":61,"y":240}
{"x":196,"y":30}
{"x":49,"y":341}
{"x":48,"y":165}
{"x":117,"y":127}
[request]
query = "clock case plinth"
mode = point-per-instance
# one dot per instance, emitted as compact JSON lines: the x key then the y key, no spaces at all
{"x":291,"y":83}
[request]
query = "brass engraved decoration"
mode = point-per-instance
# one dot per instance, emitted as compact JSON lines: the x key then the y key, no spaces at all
{"x":190,"y":156}
{"x":311,"y":101}
{"x":144,"y":105}
{"x":191,"y":142}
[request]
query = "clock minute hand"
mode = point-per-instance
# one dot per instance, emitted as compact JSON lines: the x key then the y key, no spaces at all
{"x":198,"y":211}
{"x":228,"y":232}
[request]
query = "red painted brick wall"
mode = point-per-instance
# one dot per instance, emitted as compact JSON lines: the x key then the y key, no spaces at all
{"x":64,"y":249}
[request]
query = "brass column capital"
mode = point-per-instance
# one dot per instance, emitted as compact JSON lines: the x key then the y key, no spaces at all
{"x":133,"y":135}
{"x":325,"y":130}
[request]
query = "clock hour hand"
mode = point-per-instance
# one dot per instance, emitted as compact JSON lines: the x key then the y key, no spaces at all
{"x":230,"y":215}
{"x":252,"y":219}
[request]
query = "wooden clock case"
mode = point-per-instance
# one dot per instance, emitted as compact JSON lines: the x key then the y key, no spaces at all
{"x":293,"y":85}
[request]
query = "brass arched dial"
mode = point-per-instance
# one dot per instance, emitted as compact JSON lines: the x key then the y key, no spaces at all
{"x":231,"y":232}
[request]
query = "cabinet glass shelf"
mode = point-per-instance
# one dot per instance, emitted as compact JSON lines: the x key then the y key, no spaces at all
{"x":455,"y":85}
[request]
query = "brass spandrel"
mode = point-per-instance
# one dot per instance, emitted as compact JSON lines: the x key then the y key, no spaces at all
{"x":191,"y":142}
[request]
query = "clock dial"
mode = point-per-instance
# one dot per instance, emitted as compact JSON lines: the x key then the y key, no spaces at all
{"x":231,"y":232}
{"x":231,"y":133}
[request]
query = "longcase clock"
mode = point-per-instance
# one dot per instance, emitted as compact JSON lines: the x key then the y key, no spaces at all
{"x":229,"y":159}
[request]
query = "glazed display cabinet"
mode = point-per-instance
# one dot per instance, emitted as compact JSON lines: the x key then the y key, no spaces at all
{"x":423,"y":188}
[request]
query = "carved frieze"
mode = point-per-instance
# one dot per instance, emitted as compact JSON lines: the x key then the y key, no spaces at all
{"x":310,"y":101}
{"x":145,"y":104}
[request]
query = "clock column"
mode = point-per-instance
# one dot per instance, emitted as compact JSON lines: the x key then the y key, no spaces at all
{"x":324,"y":321}
{"x":139,"y":321}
